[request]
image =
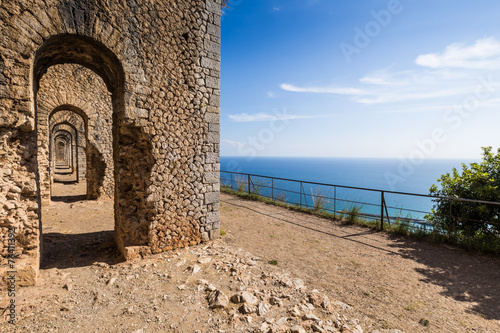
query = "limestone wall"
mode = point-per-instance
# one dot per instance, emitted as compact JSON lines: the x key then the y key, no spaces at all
{"x":159,"y":61}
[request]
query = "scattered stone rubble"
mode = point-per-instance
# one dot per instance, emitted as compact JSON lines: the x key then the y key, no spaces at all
{"x":214,"y":288}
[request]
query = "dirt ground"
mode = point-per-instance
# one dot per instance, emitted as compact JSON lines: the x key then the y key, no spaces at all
{"x":374,"y":281}
{"x":395,"y":281}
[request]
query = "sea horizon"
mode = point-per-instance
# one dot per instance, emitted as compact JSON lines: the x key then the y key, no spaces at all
{"x":383,"y":174}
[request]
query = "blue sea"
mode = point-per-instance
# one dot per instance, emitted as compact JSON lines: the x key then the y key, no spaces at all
{"x":392,"y":175}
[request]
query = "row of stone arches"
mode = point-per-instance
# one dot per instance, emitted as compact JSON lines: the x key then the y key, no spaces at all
{"x":88,"y":121}
{"x":148,"y":97}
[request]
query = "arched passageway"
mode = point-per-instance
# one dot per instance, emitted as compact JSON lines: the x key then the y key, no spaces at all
{"x":86,"y":124}
{"x":154,"y":145}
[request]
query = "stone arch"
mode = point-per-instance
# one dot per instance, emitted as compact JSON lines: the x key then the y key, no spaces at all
{"x":62,"y":143}
{"x":68,"y":134}
{"x":75,"y":88}
{"x":89,"y":53}
{"x":75,"y":165}
{"x":78,"y":121}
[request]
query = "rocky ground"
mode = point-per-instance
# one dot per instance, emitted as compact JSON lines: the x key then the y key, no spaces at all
{"x":273,"y":271}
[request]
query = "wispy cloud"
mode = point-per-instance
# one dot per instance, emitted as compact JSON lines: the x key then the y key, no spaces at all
{"x":483,"y":54}
{"x":324,"y":90}
{"x":453,"y":73}
{"x":245,"y":117}
{"x":236,"y":144}
{"x":270,"y":94}
{"x":409,"y":95}
{"x":384,"y":77}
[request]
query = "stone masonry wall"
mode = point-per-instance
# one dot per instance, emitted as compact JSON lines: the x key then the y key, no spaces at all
{"x":159,"y":61}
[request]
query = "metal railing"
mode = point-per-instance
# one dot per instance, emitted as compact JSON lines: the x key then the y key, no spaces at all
{"x":411,"y":209}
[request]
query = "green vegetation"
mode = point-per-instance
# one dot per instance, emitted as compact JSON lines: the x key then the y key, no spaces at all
{"x":241,"y":184}
{"x":257,"y":186}
{"x":424,"y":322}
{"x":470,"y":224}
{"x":321,"y":201}
{"x":273,"y":262}
{"x":351,"y":213}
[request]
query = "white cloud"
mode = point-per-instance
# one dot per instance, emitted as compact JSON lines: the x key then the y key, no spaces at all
{"x":384,"y":86}
{"x":270,"y":94}
{"x":245,"y":117}
{"x":236,"y":144}
{"x":452,"y":74}
{"x":401,"y":96}
{"x":484,"y":54}
{"x":323,"y":90}
{"x":384,"y":77}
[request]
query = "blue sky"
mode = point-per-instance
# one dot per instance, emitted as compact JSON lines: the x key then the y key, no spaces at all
{"x":404,"y":79}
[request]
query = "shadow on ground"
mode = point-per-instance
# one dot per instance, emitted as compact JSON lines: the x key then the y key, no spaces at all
{"x":311,"y":226}
{"x":68,"y":198}
{"x":65,"y":182}
{"x":465,"y":277}
{"x":78,"y":250}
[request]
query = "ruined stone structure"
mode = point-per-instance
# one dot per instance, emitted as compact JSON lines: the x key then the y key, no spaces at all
{"x":126,"y":93}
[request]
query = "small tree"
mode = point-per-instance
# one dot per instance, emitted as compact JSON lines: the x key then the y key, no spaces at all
{"x":479,"y":181}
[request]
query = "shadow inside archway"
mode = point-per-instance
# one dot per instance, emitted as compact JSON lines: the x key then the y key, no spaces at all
{"x":69,"y":198}
{"x":77,"y":250}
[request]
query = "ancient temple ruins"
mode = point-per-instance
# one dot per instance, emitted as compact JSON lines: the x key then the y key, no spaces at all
{"x":125,"y":94}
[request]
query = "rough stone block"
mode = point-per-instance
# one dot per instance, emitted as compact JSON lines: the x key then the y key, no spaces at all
{"x":213,"y":217}
{"x":213,"y":137}
{"x":212,"y":82}
{"x":210,"y":63}
{"x":212,"y":117}
{"x":212,"y":197}
{"x":211,"y":177}
{"x":211,"y":158}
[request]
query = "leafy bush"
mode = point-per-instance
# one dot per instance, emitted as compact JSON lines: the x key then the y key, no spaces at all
{"x":479,"y":181}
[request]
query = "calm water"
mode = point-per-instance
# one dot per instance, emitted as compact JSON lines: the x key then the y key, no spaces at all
{"x":382,"y":174}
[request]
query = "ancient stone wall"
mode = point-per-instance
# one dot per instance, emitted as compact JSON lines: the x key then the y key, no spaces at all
{"x":159,"y":61}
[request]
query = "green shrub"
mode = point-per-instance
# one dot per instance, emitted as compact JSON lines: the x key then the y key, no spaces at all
{"x":479,"y":181}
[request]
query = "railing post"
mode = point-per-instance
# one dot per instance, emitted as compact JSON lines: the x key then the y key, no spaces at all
{"x":232,"y":181}
{"x":248,"y":184}
{"x":382,"y":210}
{"x":449,"y":223}
{"x":300,"y":195}
{"x":335,"y":201}
{"x":272,"y":189}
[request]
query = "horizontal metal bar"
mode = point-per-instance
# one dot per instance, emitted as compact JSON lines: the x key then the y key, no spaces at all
{"x":368,"y":189}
